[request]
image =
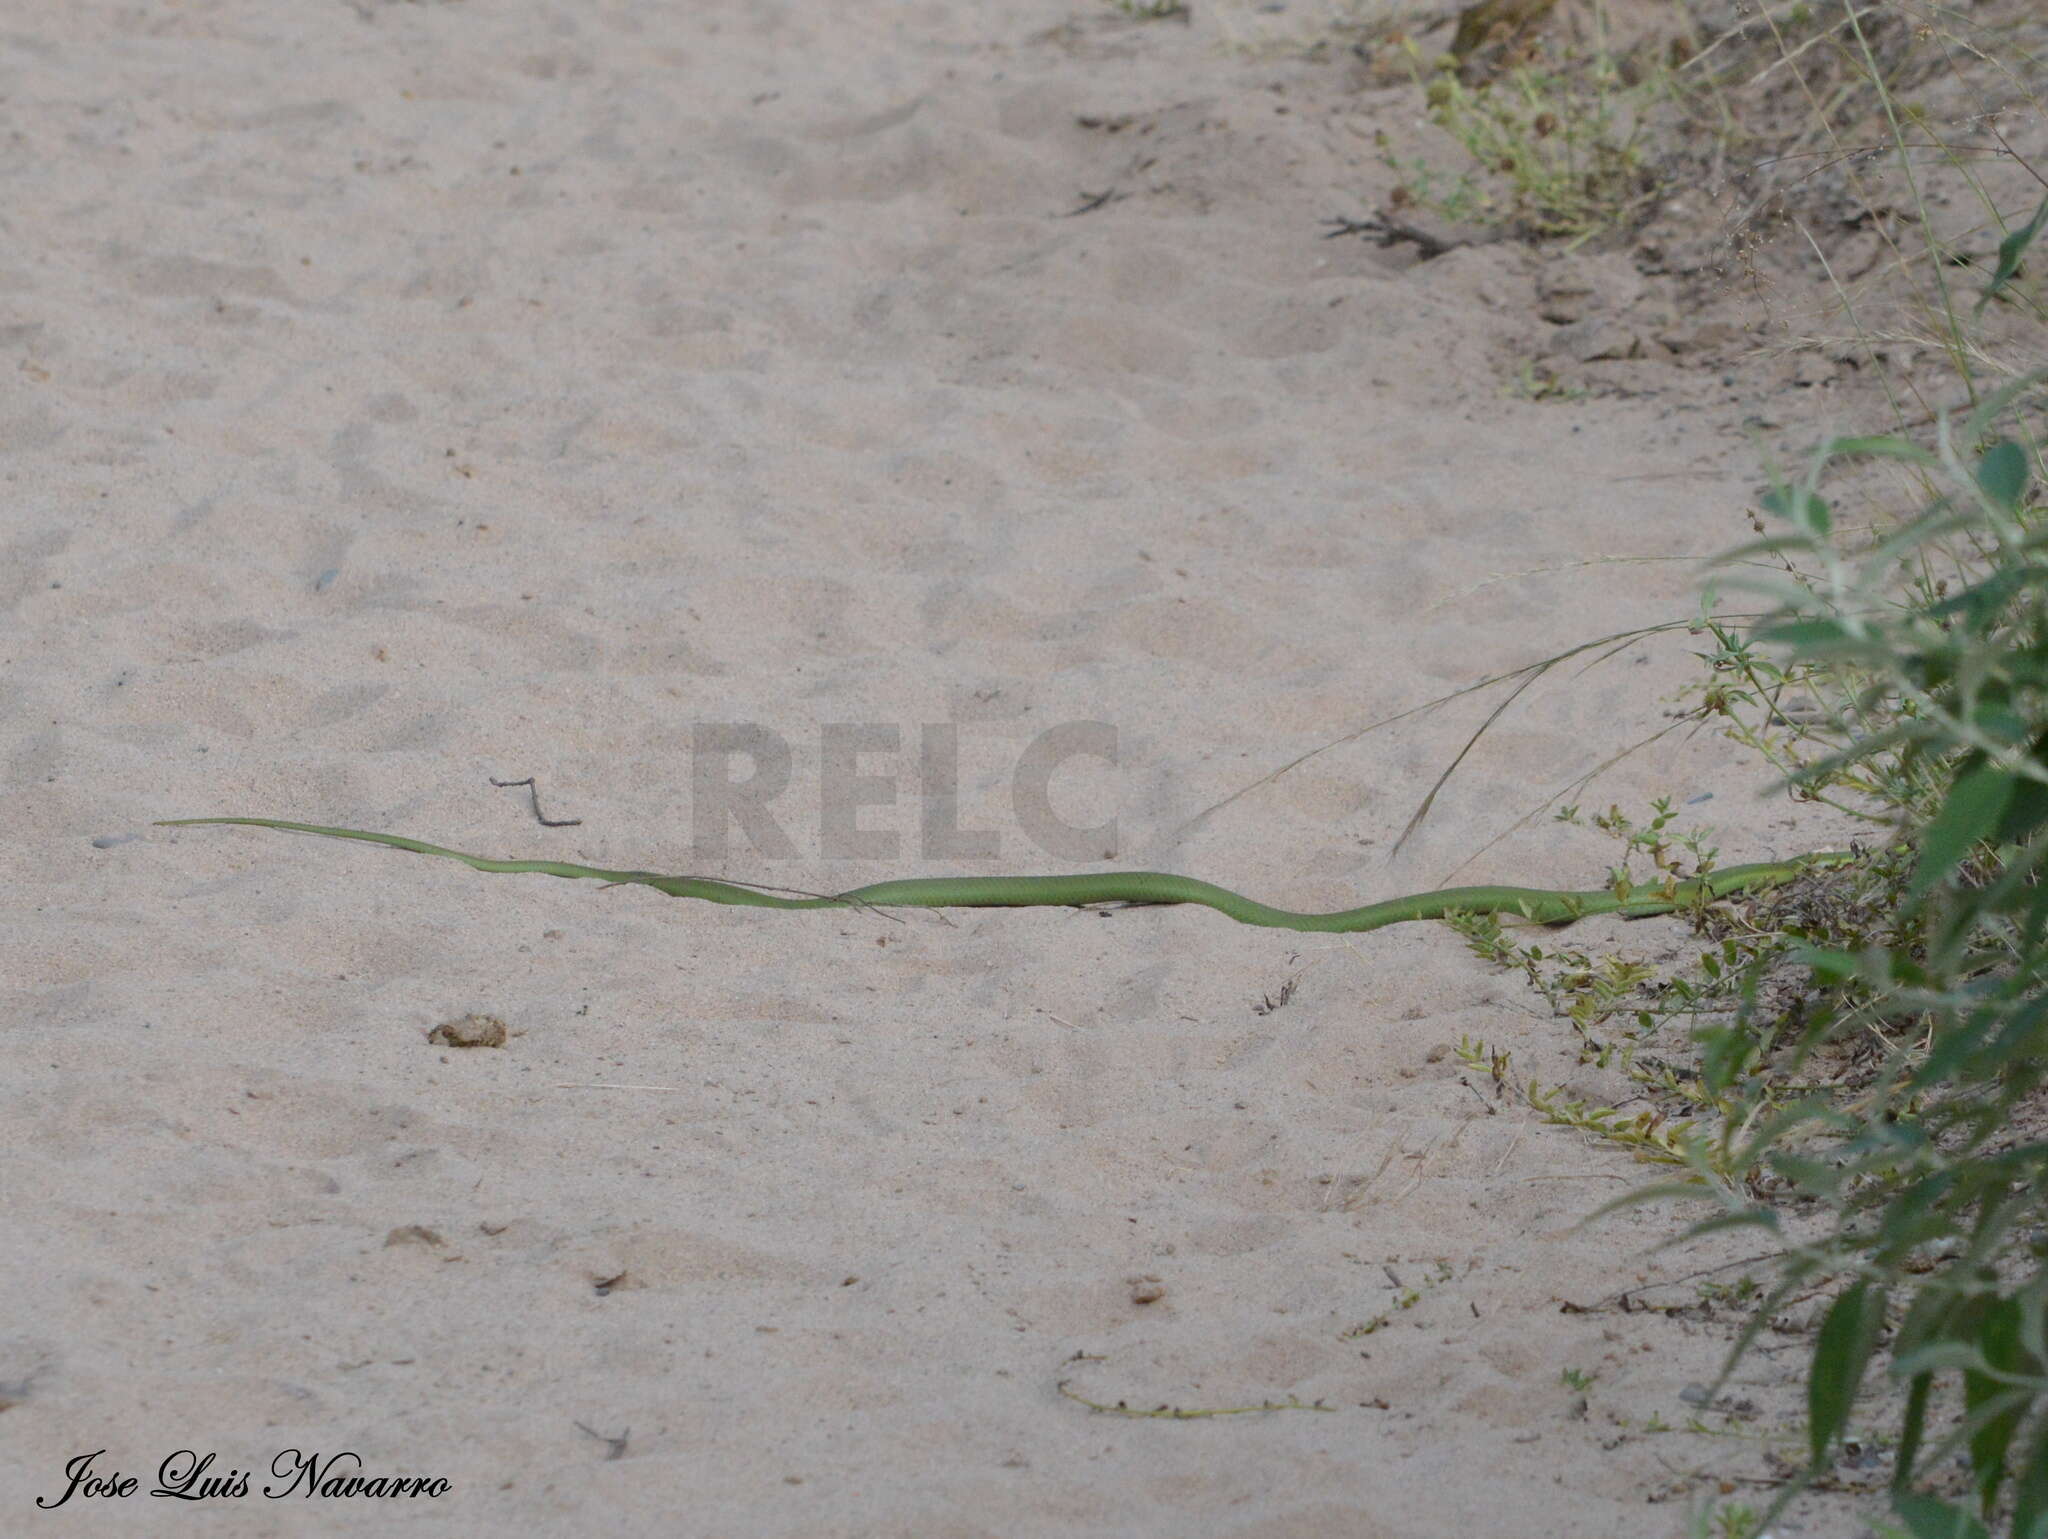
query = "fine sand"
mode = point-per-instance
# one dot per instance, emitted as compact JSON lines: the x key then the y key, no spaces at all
{"x":398,"y":396}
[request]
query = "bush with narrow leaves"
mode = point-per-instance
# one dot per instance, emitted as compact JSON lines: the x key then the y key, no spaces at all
{"x":1932,"y":1179}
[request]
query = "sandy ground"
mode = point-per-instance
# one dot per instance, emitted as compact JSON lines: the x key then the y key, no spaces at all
{"x":401,"y":395}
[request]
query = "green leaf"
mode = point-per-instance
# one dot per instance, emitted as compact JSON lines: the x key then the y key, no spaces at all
{"x":2003,"y":473}
{"x":1930,"y":1518}
{"x":2010,"y":251}
{"x":1886,"y":447}
{"x":1807,"y":636}
{"x":2030,"y":1492}
{"x":1998,"y":1338}
{"x":1726,"y":1052}
{"x":1982,"y":602}
{"x":2029,"y":806}
{"x":1976,"y":802}
{"x":1830,"y":967}
{"x":1749,"y":1218}
{"x":1840,"y":1355}
{"x":1913,"y":1427}
{"x":1961,"y":1040}
{"x":2037,"y":916}
{"x":1805,"y":508}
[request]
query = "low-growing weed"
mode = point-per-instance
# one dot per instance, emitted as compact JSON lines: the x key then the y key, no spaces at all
{"x":1552,"y":153}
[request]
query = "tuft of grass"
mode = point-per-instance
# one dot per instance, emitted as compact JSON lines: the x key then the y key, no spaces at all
{"x":1832,"y":123}
{"x":1152,"y":10}
{"x":1533,"y":382}
{"x":1553,"y":153}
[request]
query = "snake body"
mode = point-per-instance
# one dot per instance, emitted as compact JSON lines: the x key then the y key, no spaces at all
{"x":1537,"y":904}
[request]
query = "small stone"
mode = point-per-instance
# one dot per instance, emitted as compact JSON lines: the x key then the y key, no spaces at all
{"x":1591,"y":340}
{"x":1703,"y":338}
{"x":470,"y":1031}
{"x":1696,"y":1394}
{"x":1147,"y":1290}
{"x":413,"y":1234}
{"x":1566,"y":309}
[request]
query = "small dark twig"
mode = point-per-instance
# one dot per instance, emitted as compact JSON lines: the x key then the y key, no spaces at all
{"x":2017,"y":157}
{"x":534,"y":791}
{"x":1091,"y":201}
{"x":1623,"y":1298}
{"x":615,"y":1447}
{"x":1268,"y":1003}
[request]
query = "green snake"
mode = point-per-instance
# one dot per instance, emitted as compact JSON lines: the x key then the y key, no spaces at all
{"x":1536,"y":904}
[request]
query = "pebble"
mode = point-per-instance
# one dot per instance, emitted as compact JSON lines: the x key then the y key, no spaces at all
{"x":470,"y":1031}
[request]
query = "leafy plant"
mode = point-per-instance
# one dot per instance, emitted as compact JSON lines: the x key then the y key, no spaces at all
{"x":1933,"y":1175}
{"x":1872,"y":1043}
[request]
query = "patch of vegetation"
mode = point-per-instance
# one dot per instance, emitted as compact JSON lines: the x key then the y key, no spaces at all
{"x":1406,"y":1298}
{"x":1921,"y":994}
{"x":1729,"y":1520}
{"x":1152,"y":10}
{"x":1533,"y":382}
{"x":1831,"y":121}
{"x":1857,"y":1062}
{"x":1554,"y":153}
{"x":1869,"y":1074}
